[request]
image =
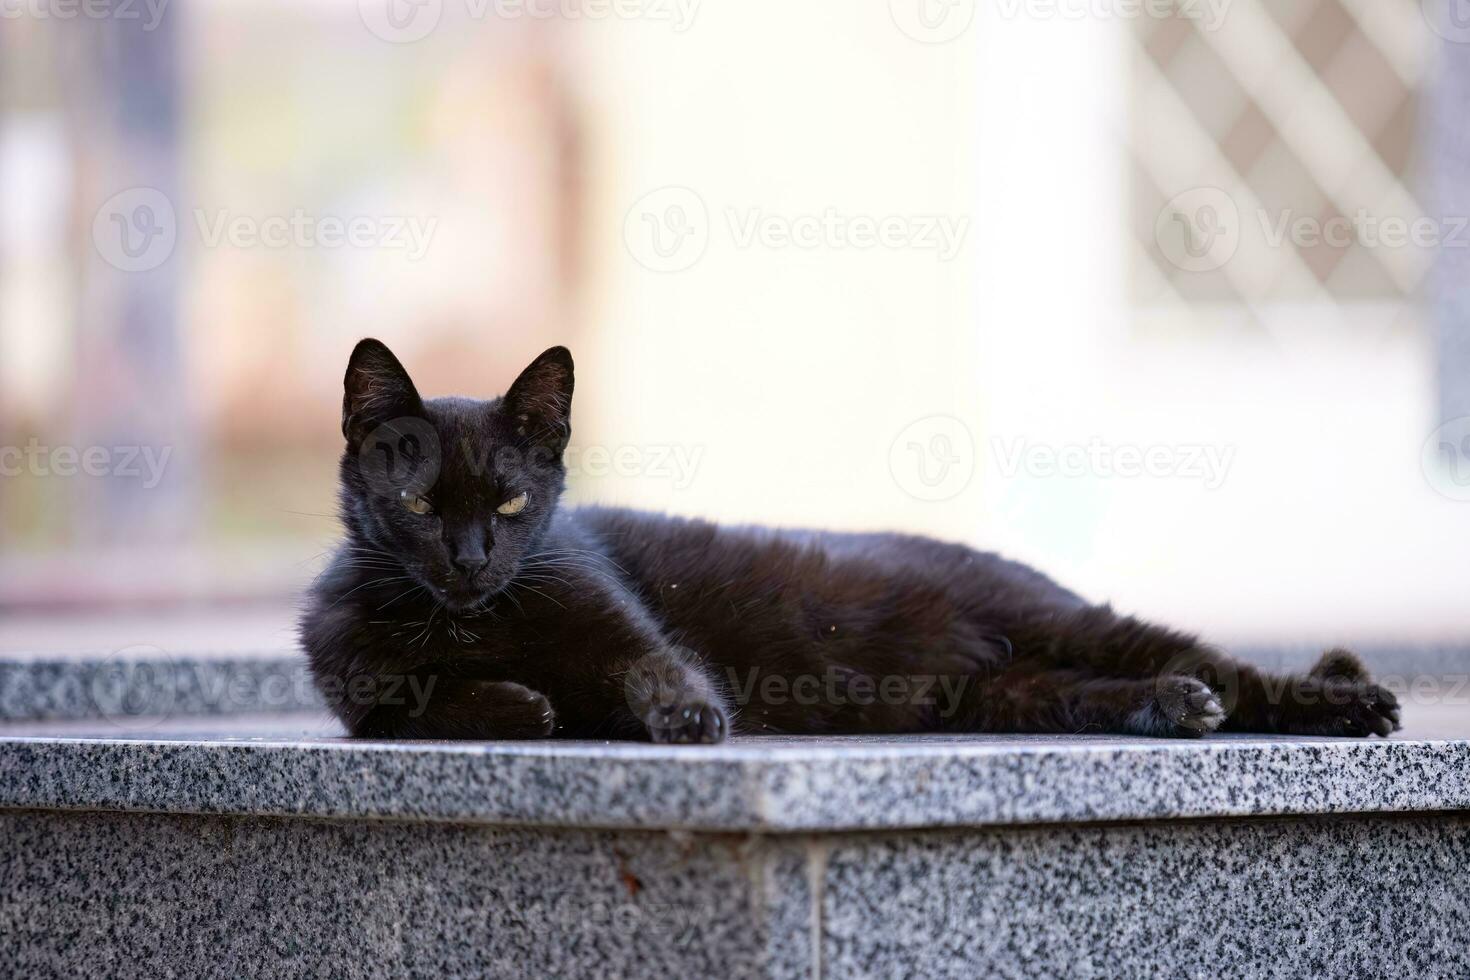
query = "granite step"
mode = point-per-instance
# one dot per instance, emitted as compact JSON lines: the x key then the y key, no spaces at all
{"x":226,"y":843}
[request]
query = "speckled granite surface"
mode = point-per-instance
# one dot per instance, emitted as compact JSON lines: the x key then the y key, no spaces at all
{"x":269,"y":846}
{"x":1349,"y":897}
{"x":143,"y":681}
{"x":153,"y":822}
{"x":130,"y":895}
{"x":151,"y":895}
{"x":757,"y":784}
{"x":146,"y":683}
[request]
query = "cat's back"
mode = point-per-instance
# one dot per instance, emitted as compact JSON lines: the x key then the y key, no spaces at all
{"x":658,"y":548}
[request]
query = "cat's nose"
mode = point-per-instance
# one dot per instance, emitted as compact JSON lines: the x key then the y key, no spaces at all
{"x":471,"y":565}
{"x":468,"y":549}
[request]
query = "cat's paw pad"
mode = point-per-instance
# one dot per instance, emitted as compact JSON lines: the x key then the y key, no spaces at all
{"x":695,"y":722}
{"x":1189,"y":704}
{"x":1353,"y":708}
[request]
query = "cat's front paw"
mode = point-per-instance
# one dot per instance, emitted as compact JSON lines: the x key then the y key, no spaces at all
{"x":521,"y":712}
{"x":1189,"y":705}
{"x":691,"y":723}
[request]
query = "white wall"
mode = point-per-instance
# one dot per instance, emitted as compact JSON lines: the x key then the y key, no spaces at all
{"x":792,"y":371}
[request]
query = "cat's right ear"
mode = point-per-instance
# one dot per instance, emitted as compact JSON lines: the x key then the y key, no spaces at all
{"x":375,"y":390}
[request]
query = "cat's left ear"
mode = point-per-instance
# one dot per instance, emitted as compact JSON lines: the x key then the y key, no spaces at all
{"x":540,"y":400}
{"x":375,"y":390}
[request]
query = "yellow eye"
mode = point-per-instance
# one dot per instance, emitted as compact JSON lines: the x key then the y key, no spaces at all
{"x":414,"y":503}
{"x":513,"y":506}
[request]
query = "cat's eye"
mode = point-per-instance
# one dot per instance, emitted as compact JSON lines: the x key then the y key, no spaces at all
{"x":514,"y":505}
{"x":413,"y":503}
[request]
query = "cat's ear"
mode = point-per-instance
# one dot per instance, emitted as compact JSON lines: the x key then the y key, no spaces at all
{"x":375,"y":390}
{"x":540,"y":400}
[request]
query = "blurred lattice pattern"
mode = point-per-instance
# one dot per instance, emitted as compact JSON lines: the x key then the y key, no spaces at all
{"x":1296,"y":110}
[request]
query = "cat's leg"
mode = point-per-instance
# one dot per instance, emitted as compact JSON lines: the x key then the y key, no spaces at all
{"x":621,"y":676}
{"x":1337,"y":697}
{"x":434,"y":705}
{"x":1077,"y":702}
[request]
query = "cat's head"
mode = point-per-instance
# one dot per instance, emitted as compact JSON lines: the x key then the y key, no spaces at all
{"x":457,"y":490}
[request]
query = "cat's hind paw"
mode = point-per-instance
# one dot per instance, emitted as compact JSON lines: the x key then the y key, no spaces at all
{"x":1340,"y":664}
{"x":1337,"y":706}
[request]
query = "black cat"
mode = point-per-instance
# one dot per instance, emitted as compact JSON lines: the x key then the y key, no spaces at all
{"x":465,"y":604}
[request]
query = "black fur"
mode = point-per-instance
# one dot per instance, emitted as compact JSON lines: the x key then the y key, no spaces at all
{"x":461,"y":622}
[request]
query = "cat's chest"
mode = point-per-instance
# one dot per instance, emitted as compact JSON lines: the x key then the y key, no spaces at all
{"x":434,"y":634}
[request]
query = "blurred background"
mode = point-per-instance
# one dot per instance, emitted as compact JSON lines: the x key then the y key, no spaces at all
{"x":1168,"y":297}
